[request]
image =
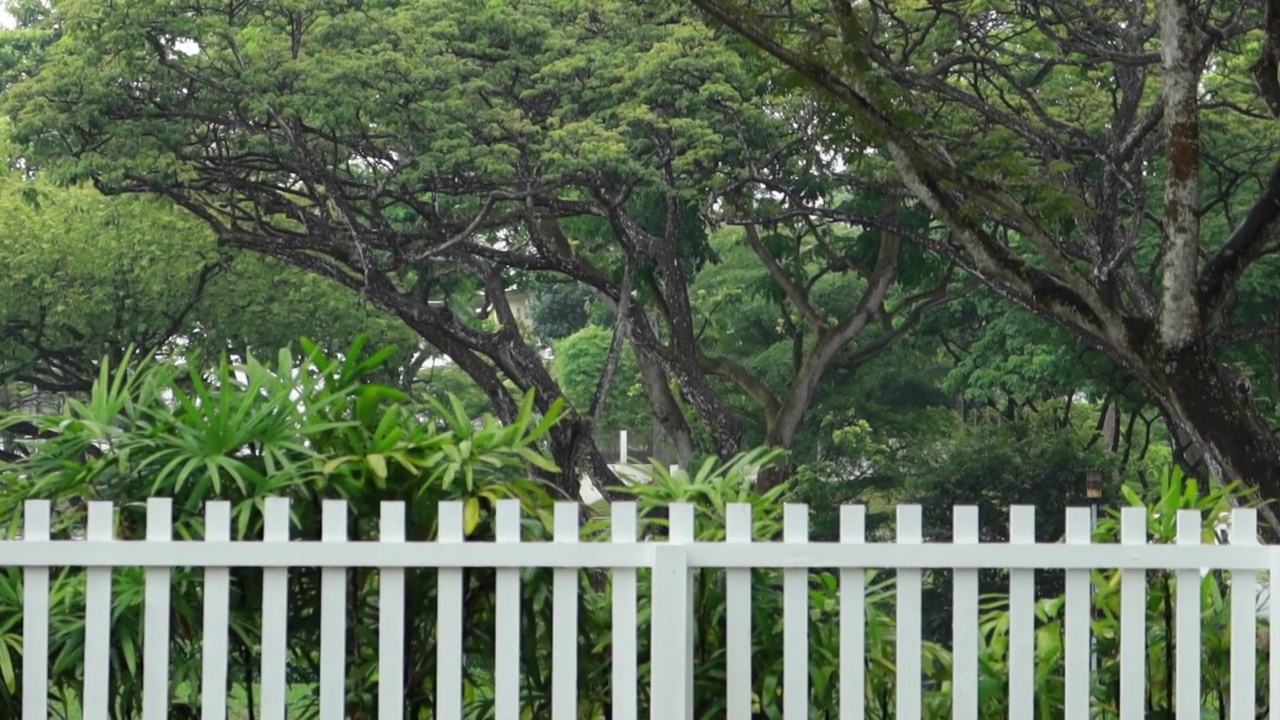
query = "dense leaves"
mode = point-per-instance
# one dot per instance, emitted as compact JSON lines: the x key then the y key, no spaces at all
{"x":307,"y":428}
{"x":424,"y":153}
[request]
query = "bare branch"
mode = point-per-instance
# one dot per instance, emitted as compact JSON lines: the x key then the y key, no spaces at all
{"x":621,"y":330}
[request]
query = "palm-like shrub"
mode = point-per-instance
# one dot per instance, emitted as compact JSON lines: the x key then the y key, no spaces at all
{"x":307,"y":428}
{"x":311,"y":427}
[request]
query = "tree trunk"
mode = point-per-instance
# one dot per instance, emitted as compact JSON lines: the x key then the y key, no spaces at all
{"x":665,"y":409}
{"x":1214,"y":409}
{"x":666,"y":414}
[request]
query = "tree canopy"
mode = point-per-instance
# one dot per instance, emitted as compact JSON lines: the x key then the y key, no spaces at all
{"x":768,"y":222}
{"x":420,"y":151}
{"x":93,"y":277}
{"x":1105,"y":165}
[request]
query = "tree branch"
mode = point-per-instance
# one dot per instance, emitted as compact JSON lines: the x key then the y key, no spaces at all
{"x":784,"y":281}
{"x":1066,"y":291}
{"x":919,"y":305}
{"x":740,"y":376}
{"x":1247,"y":243}
{"x":1266,"y":70}
{"x":620,"y":330}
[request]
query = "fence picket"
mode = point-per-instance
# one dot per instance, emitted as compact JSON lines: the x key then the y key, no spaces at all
{"x":275,"y":616}
{"x":564,"y":621}
{"x":1244,"y":620}
{"x":1133,"y":620}
{"x":1079,"y":609}
{"x":853,"y":619}
{"x":910,"y":532}
{"x":1022,"y":618}
{"x":964,"y":622}
{"x":391,"y":617}
{"x":737,"y":618}
{"x":155,"y":621}
{"x":449,"y":619}
{"x":625,"y":703}
{"x":97,"y":619}
{"x":795,"y":619}
{"x":684,"y":531}
{"x":333,"y":617}
{"x":506,"y":672}
{"x":1187,"y":623}
{"x":35,"y":617}
{"x":1273,"y":631}
{"x":216,"y":625}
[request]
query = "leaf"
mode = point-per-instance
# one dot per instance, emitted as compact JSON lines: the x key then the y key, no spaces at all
{"x":6,"y":667}
{"x":377,"y":463}
{"x":1131,"y":496}
{"x":449,"y":473}
{"x":536,"y":459}
{"x":470,"y":516}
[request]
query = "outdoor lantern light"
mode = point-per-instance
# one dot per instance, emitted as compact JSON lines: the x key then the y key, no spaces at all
{"x":1093,"y":491}
{"x":1093,"y":483}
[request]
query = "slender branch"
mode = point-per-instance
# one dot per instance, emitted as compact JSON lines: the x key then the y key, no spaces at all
{"x":784,"y":281}
{"x":620,"y":331}
{"x":919,"y":310}
{"x":740,"y":376}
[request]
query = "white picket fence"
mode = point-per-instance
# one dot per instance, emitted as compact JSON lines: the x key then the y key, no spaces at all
{"x":672,"y":563}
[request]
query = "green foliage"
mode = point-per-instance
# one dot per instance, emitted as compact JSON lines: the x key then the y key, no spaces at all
{"x":1174,"y":493}
{"x":261,"y":305}
{"x":579,"y":363}
{"x":1010,"y":354}
{"x":446,"y":383}
{"x":23,"y":46}
{"x":559,"y":310}
{"x":307,"y":428}
{"x":710,"y":488}
{"x":1032,"y":460}
{"x":478,"y":90}
{"x":344,"y":437}
{"x":88,"y":275}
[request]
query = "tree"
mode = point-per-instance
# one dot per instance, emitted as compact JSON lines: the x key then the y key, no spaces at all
{"x":413,"y":152}
{"x":86,"y":278}
{"x":781,"y":310}
{"x":91,"y":277}
{"x":559,"y":310}
{"x":421,"y":153}
{"x":579,"y":362}
{"x":1091,"y":112}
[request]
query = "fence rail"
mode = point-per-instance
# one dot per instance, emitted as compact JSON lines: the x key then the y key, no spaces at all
{"x":672,"y":562}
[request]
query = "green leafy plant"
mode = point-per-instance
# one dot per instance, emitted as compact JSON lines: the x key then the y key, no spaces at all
{"x":1175,"y":492}
{"x":307,"y":428}
{"x":312,"y":427}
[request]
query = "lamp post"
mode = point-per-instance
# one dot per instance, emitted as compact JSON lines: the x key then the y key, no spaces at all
{"x":1093,"y":491}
